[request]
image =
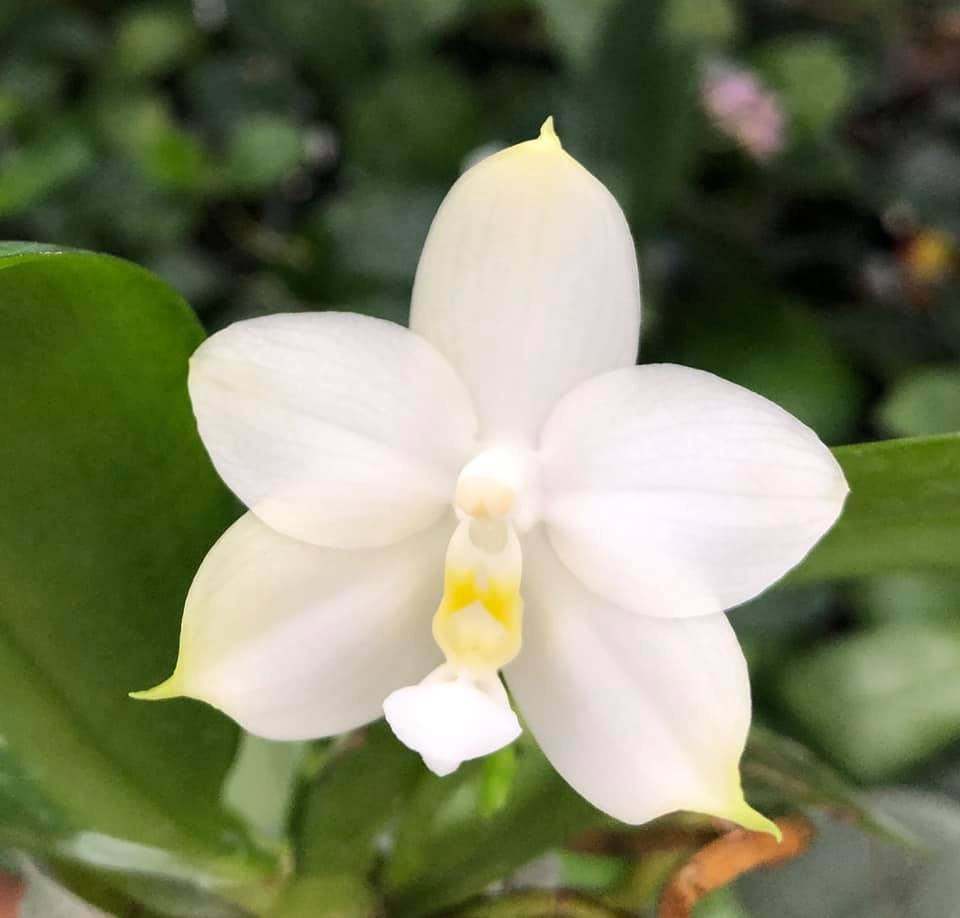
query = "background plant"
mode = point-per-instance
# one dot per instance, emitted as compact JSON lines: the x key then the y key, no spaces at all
{"x":791,"y":171}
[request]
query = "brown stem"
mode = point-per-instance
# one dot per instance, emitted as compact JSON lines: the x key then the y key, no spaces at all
{"x":11,"y":891}
{"x":727,"y":858}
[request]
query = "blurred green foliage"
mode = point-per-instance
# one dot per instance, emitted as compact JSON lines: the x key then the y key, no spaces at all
{"x":289,"y":155}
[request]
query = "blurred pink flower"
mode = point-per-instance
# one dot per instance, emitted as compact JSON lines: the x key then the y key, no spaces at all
{"x":741,"y":107}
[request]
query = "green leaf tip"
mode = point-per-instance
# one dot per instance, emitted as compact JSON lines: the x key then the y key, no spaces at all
{"x":169,"y":688}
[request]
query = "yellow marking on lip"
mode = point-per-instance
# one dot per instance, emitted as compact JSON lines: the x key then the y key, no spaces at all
{"x":499,"y":598}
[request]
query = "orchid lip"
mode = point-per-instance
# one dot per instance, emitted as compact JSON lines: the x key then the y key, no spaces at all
{"x":479,"y":622}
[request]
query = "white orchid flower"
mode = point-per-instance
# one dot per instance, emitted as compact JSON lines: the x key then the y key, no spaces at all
{"x":568,"y":519}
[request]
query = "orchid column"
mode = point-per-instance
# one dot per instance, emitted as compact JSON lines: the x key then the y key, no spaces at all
{"x":499,"y":489}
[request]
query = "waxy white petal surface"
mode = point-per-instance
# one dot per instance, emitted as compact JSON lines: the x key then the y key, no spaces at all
{"x":450,"y":721}
{"x":642,"y":716}
{"x":528,"y":284}
{"x":294,"y":641}
{"x":672,"y":492}
{"x":337,"y":429}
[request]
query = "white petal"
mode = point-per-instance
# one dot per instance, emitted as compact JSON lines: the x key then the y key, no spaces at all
{"x":672,"y":492}
{"x":642,"y":716}
{"x":334,"y":428}
{"x":294,"y":641}
{"x":528,"y":283}
{"x":450,"y":721}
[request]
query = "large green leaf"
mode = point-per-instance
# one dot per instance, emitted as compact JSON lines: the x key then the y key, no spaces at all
{"x":327,"y":897}
{"x":345,"y":810}
{"x":448,"y":849}
{"x":107,"y":507}
{"x":903,"y":511}
{"x":651,"y":133}
{"x":352,"y":801}
{"x":781,"y":775}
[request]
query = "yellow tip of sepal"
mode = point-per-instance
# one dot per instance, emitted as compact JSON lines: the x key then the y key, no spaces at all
{"x":548,"y":133}
{"x":169,"y":688}
{"x":746,"y":816}
{"x":755,"y":821}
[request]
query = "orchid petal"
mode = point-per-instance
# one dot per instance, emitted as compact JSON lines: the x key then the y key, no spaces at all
{"x":337,"y":429}
{"x":642,"y":716}
{"x":528,"y":283}
{"x":294,"y":641}
{"x":672,"y":492}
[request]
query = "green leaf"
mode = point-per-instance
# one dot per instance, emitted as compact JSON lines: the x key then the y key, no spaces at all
{"x":410,"y":26}
{"x":352,"y":801}
{"x":262,"y":783}
{"x":154,"y":40}
{"x":331,"y":40}
{"x":923,"y":402}
{"x":379,"y":228}
{"x":903,"y":511}
{"x":45,"y":897}
{"x":447,"y":850}
{"x":652,"y":132}
{"x":391,"y":133}
{"x":907,"y":597}
{"x":721,"y":903}
{"x":591,"y":872}
{"x":880,"y":701}
{"x":108,"y":506}
{"x":327,"y":897}
{"x":35,"y":171}
{"x":343,"y":814}
{"x":781,"y":775}
{"x":71,"y":879}
{"x":142,"y":125}
{"x":175,"y":159}
{"x":499,"y":770}
{"x":575,"y":26}
{"x":537,"y":903}
{"x":263,"y":149}
{"x":116,"y":201}
{"x":701,"y":22}
{"x":813,"y":77}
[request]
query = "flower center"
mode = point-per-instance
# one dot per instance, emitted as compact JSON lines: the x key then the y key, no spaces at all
{"x":478,"y":623}
{"x":461,"y":711}
{"x":500,"y":483}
